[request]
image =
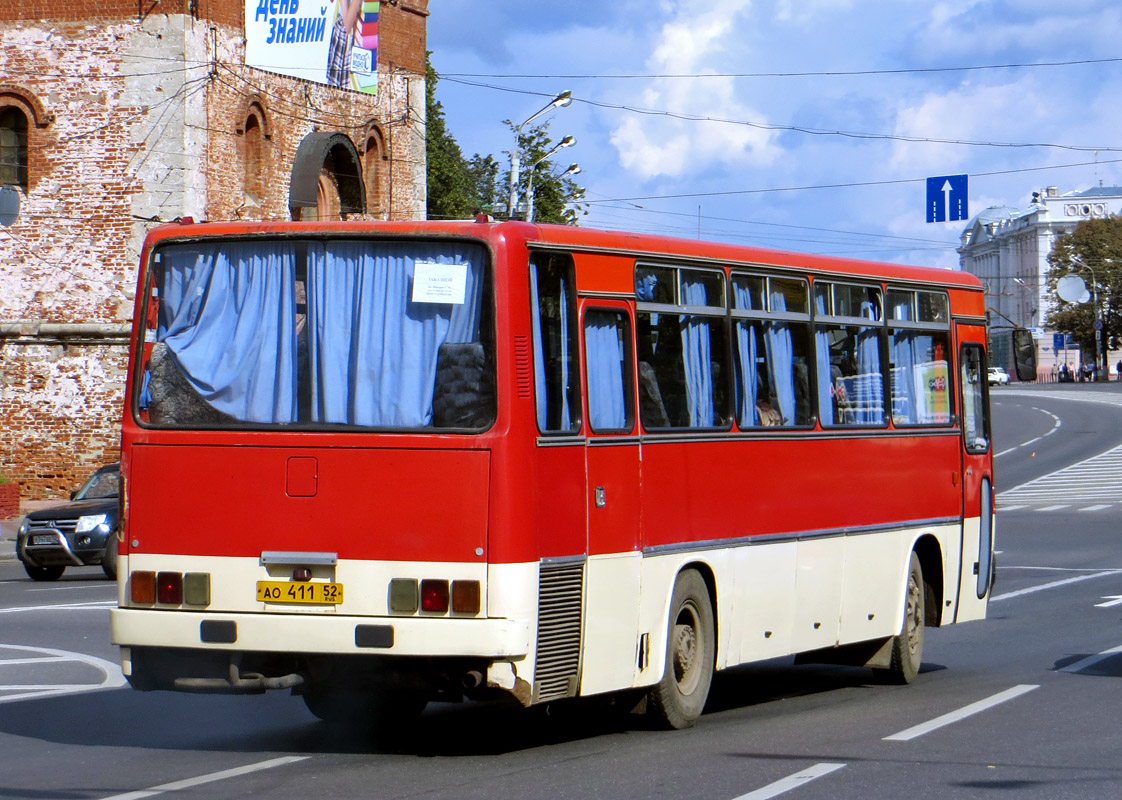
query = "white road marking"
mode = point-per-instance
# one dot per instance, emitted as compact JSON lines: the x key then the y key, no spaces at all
{"x":961,"y":714}
{"x":211,"y":778}
{"x":1056,"y":423}
{"x":1054,"y":584}
{"x":1096,"y":481}
{"x":113,"y":676}
{"x":1082,"y":664}
{"x":780,"y":786}
{"x":1111,"y":600}
{"x":1096,"y":508}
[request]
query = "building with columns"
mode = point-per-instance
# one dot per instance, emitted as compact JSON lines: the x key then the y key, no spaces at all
{"x":1007,"y":249}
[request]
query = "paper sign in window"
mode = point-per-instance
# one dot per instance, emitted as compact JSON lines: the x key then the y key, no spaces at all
{"x":439,"y":283}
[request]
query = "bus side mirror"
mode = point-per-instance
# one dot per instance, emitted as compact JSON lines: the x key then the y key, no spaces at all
{"x":1024,"y":354}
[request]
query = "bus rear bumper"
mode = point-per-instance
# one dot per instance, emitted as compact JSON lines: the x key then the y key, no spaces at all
{"x":319,"y":634}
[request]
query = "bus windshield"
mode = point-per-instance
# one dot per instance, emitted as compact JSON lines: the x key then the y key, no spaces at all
{"x":352,"y":333}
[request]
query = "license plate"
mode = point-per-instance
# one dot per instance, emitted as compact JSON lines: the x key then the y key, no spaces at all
{"x":299,"y":592}
{"x":44,"y":538}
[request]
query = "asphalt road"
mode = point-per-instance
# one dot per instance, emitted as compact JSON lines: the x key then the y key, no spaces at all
{"x":1021,"y":705}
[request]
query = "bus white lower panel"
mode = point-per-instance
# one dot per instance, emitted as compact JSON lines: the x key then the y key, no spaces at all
{"x":302,"y":633}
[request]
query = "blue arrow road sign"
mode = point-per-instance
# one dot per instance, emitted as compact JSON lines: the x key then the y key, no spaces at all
{"x":946,"y":198}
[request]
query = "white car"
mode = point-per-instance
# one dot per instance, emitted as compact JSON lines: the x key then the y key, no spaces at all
{"x":998,"y":376}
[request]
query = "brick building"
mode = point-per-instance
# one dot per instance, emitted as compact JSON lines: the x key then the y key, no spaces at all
{"x":115,"y":116}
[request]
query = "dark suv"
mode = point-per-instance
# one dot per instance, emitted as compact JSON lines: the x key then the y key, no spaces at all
{"x":82,"y":532}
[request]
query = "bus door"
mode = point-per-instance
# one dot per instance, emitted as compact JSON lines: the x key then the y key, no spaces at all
{"x":612,"y":454}
{"x":976,"y":567}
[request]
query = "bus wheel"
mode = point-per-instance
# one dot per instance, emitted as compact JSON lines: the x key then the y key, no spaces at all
{"x":678,"y":699}
{"x":907,"y":648}
{"x":363,"y":709}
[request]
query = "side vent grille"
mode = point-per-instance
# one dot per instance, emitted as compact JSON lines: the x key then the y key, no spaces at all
{"x":560,"y":595}
{"x":523,"y":366}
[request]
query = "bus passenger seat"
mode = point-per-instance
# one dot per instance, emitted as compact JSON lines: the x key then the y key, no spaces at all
{"x":651,"y":408}
{"x":464,"y":395}
{"x":173,"y":400}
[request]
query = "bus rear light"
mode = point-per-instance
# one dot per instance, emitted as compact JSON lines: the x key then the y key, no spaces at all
{"x":434,"y":596}
{"x":465,"y":597}
{"x":169,"y":588}
{"x":142,"y":587}
{"x":404,"y":597}
{"x":196,"y":588}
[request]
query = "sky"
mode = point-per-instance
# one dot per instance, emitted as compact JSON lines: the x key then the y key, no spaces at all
{"x":806,"y":125}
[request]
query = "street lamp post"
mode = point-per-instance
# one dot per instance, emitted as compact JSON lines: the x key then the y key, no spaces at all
{"x":560,"y":101}
{"x":1100,"y":373}
{"x":568,"y":141}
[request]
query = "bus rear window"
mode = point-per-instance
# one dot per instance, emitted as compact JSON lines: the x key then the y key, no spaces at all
{"x":367,"y":334}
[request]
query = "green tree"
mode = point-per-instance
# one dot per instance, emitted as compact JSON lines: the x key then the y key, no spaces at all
{"x":451,"y":186}
{"x":458,"y":188}
{"x":557,"y":197}
{"x":1093,"y":251}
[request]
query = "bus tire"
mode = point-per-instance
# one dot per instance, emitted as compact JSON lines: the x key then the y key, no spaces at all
{"x":907,"y":647}
{"x":679,"y":698}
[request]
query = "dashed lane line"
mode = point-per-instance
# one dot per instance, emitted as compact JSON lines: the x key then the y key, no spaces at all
{"x":212,"y":777}
{"x":1054,"y":584}
{"x":961,"y":714}
{"x":784,"y":785}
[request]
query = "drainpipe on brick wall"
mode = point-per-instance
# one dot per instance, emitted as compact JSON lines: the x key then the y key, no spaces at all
{"x":28,"y":332}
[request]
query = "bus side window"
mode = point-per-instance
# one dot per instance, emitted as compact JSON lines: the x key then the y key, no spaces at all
{"x":975,"y":421}
{"x":607,"y":356}
{"x":553,"y":307}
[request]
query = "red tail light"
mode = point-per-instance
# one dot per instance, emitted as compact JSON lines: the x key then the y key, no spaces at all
{"x":169,"y":587}
{"x":434,"y":596}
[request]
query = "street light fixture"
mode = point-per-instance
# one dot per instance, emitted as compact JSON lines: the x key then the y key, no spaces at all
{"x":560,"y":101}
{"x":568,"y":141}
{"x":1100,"y":373}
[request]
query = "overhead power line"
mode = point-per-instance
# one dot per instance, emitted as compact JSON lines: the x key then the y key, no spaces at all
{"x":851,"y":185}
{"x":822,"y":74}
{"x":797,"y":128}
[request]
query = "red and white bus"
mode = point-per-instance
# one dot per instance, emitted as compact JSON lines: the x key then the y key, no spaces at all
{"x":380,"y":464}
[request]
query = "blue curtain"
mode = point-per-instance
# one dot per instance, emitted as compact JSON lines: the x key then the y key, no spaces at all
{"x":373,"y":350}
{"x":904,"y":408}
{"x":540,"y":396}
{"x":228,"y":316}
{"x":870,"y":383}
{"x":822,"y":362}
{"x":604,"y":356}
{"x":747,"y":413}
{"x":696,"y":358}
{"x":781,"y":361}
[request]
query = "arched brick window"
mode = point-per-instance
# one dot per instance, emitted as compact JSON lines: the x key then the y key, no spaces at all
{"x":327,"y":180}
{"x":375,"y":173}
{"x":13,"y":147}
{"x":21,"y":116}
{"x":254,"y":151}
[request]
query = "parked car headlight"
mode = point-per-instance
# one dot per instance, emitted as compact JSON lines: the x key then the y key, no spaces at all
{"x":89,"y":523}
{"x":23,"y":526}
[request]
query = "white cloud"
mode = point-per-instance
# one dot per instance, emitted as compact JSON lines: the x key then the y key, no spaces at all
{"x":693,"y":43}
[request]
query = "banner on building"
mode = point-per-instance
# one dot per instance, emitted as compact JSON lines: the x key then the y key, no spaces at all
{"x":334,"y":42}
